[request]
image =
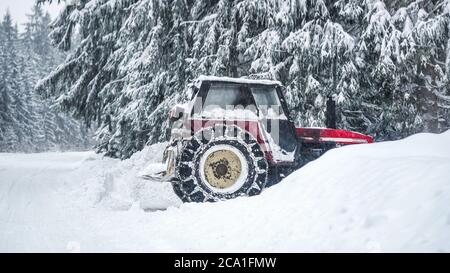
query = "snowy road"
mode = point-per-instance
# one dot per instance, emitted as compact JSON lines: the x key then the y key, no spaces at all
{"x":63,"y":202}
{"x":391,"y":196}
{"x":32,"y":202}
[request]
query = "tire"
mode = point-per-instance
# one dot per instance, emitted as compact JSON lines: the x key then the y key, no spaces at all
{"x":220,"y":164}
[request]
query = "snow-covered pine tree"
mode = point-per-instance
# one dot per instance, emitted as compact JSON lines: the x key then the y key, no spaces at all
{"x":57,"y":130}
{"x":322,"y":65}
{"x":12,"y":106}
{"x":430,"y":84}
{"x":5,"y":98}
{"x":6,"y":117}
{"x":136,"y":57}
{"x":27,"y":122}
{"x":401,"y":49}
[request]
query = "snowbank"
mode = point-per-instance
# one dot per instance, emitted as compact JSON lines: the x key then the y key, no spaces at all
{"x":391,"y":196}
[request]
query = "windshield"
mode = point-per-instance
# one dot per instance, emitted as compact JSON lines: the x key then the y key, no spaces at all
{"x":224,"y":94}
{"x":229,"y":100}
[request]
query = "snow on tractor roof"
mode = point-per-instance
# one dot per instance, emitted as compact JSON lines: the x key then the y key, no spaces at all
{"x":203,"y":78}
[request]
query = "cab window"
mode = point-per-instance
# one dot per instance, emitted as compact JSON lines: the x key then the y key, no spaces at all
{"x":267,"y":100}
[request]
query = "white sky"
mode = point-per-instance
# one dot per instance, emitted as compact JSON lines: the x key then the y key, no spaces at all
{"x":19,"y":9}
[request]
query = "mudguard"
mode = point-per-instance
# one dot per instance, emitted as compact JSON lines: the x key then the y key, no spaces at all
{"x":326,"y":135}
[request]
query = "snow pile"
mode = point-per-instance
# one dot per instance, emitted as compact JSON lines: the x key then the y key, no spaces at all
{"x":116,"y":184}
{"x":391,"y":196}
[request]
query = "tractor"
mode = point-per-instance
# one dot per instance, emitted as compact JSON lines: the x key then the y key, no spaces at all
{"x":236,"y":137}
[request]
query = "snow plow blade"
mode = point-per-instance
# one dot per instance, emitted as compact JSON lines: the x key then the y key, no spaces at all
{"x":161,"y":172}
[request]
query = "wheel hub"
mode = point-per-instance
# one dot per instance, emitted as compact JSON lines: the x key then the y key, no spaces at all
{"x":222,"y":169}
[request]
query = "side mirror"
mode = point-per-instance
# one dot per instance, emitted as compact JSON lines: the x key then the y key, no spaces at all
{"x":176,"y":112}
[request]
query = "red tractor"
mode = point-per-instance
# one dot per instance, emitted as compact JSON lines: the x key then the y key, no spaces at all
{"x":236,"y":137}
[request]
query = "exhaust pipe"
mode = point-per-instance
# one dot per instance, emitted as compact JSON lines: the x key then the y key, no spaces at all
{"x":330,"y":114}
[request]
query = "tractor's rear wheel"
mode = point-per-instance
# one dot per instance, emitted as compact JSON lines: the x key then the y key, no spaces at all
{"x":219,"y":164}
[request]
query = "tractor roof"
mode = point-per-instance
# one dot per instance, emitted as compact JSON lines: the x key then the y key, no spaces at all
{"x":203,"y":78}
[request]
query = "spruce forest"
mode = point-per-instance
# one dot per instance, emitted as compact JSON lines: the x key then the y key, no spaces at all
{"x":118,"y":66}
{"x":29,"y":123}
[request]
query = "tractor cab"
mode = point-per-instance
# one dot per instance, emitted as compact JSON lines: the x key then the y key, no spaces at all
{"x":256,"y":105}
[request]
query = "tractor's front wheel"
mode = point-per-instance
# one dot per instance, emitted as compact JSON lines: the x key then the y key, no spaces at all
{"x":220,"y":164}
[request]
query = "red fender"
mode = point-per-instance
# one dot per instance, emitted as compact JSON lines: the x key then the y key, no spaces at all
{"x":341,"y":137}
